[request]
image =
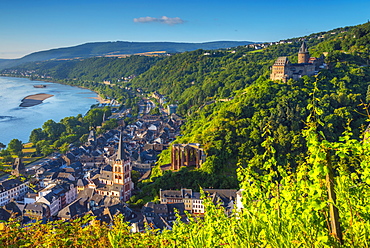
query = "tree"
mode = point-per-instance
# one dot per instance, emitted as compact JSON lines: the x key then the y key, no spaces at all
{"x":7,"y":158}
{"x":110,"y":124}
{"x":43,"y":146}
{"x":94,"y":117}
{"x":15,"y":146}
{"x":83,"y":138}
{"x":53,"y":129}
{"x":70,"y":123}
{"x":2,"y":146}
{"x":37,"y":135}
{"x":107,"y":111}
{"x":64,"y":148}
{"x":20,"y":154}
{"x":135,"y":176}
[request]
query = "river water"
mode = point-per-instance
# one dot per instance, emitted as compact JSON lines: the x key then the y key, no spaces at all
{"x":18,"y":122}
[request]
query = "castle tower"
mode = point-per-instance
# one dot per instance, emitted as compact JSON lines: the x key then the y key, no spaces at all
{"x":303,"y":55}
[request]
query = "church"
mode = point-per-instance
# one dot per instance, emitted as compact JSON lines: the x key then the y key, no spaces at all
{"x":284,"y":70}
{"x":115,"y":180}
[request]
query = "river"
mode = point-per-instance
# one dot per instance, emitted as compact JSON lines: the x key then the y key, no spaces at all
{"x":18,"y":122}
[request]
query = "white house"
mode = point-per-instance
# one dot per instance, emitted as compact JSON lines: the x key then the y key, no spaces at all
{"x":12,"y":189}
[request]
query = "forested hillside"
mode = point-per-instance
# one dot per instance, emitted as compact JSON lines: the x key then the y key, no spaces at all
{"x":232,"y":131}
{"x":194,"y":78}
{"x":228,"y":99}
{"x":91,"y":69}
{"x":297,"y":148}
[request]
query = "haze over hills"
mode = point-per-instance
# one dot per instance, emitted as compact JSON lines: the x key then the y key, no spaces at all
{"x":95,"y":49}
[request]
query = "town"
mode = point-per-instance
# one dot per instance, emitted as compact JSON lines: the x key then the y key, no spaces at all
{"x":96,"y":178}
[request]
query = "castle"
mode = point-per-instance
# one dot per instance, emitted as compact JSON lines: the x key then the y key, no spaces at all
{"x":283,"y":70}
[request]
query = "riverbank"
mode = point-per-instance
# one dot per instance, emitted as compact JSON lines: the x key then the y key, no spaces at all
{"x":18,"y":122}
{"x":100,"y":99}
{"x":50,"y":80}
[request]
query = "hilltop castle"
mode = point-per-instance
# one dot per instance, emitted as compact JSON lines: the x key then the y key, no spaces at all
{"x":283,"y":70}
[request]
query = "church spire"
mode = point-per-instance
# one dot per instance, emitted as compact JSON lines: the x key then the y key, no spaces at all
{"x":120,"y":152}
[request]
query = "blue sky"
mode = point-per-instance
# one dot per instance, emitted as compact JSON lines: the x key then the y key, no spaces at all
{"x":28,"y":26}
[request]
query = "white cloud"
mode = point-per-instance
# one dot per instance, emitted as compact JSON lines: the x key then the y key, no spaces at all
{"x":163,"y":19}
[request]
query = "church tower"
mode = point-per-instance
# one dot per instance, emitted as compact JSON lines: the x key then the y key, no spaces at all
{"x":119,"y":164}
{"x":303,"y":55}
{"x":122,"y":172}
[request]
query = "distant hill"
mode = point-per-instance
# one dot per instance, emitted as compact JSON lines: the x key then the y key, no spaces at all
{"x":117,"y":48}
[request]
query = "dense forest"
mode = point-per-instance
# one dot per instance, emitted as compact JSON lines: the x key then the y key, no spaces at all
{"x":280,"y":141}
{"x":232,"y":131}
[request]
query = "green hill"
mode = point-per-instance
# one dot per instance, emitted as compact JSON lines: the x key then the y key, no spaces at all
{"x":297,"y":149}
{"x":228,"y":97}
{"x":232,"y":131}
{"x":117,"y":48}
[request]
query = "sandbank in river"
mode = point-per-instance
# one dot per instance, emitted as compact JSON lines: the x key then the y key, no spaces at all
{"x":33,"y":100}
